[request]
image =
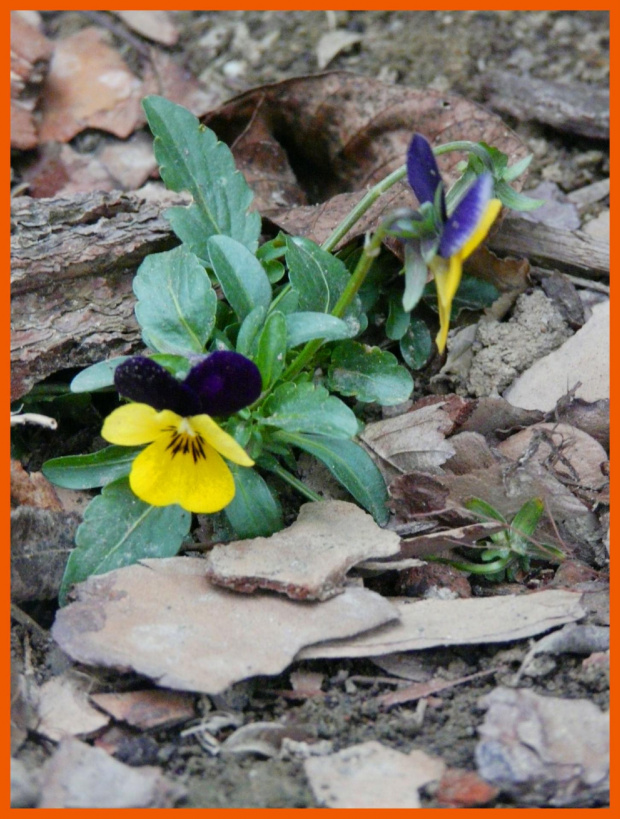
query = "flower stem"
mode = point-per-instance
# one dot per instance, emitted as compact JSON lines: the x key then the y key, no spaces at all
{"x":301,"y":487}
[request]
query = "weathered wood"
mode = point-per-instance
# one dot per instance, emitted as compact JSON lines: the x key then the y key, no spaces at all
{"x":571,"y":251}
{"x":576,"y":108}
{"x":73,"y":261}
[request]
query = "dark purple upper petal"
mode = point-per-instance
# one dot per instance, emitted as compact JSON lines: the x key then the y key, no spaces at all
{"x":422,"y":171}
{"x":225,"y":382}
{"x":463,"y":222}
{"x":145,"y":381}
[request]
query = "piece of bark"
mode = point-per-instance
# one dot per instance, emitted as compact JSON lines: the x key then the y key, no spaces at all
{"x":73,"y":262}
{"x":575,"y":108}
{"x":572,"y":251}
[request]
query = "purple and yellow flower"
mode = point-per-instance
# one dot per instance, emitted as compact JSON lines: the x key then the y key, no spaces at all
{"x":459,"y":233}
{"x":184,"y":462}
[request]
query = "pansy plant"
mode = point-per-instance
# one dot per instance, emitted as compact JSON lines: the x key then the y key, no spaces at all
{"x":249,"y":347}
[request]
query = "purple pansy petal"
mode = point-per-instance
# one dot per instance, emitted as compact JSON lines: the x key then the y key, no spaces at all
{"x":422,"y":171}
{"x":463,"y":222}
{"x":225,"y":382}
{"x":143,"y":380}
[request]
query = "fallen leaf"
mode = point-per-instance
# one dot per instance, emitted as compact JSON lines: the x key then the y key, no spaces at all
{"x":154,"y":25}
{"x":308,"y":560}
{"x":78,"y":776}
{"x":426,"y":689}
{"x":338,"y":133}
{"x":332,"y":43}
{"x":471,"y":451}
{"x":118,"y":620}
{"x":531,"y":744}
{"x":30,"y":54}
{"x":371,"y":775}
{"x":147,"y":709}
{"x":415,"y":440}
{"x":88,"y":86}
{"x":583,"y":358}
{"x":476,"y":620}
{"x":510,"y":276}
{"x":61,"y":171}
{"x":64,"y":709}
{"x":573,"y":456}
{"x":495,"y":418}
{"x":263,"y":738}
{"x":591,"y":417}
{"x":129,"y":163}
{"x":32,"y":489}
{"x":464,"y":789}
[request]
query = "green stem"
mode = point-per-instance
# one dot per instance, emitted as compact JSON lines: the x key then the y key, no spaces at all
{"x":294,"y":482}
{"x":371,"y":196}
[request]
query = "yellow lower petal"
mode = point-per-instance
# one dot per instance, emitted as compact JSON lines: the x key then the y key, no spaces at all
{"x":447,"y":279}
{"x":134,"y":424}
{"x":200,"y":483}
{"x":482,"y":228}
{"x":224,"y":443}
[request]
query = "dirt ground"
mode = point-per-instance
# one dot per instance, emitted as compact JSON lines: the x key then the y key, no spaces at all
{"x":446,"y":51}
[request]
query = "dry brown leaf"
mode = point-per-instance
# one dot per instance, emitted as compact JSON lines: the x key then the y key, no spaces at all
{"x":371,"y":775}
{"x":308,"y":560}
{"x":64,"y":709}
{"x":147,"y":709}
{"x":426,"y":689}
{"x":89,"y":86}
{"x":32,"y":489}
{"x":510,"y":276}
{"x":471,"y":451}
{"x":530,"y":743}
{"x":444,"y":542}
{"x":60,"y":171}
{"x":163,"y":76}
{"x":78,"y":776}
{"x":204,"y":638}
{"x":154,"y":25}
{"x":337,"y":133}
{"x":30,"y":53}
{"x":476,"y":620}
{"x":332,"y":43}
{"x":573,"y":456}
{"x":495,"y":418}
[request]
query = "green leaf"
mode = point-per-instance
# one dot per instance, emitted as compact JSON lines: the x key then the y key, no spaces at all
{"x":306,"y":326}
{"x":369,"y":374}
{"x":308,"y":407}
{"x":254,"y":511}
{"x":176,"y":302}
{"x":318,"y":277}
{"x":416,"y":345}
{"x":251,"y":326}
{"x":516,"y":201}
{"x":484,"y":510}
{"x":351,"y":466}
{"x":524,"y":523}
{"x":271,"y":354}
{"x":92,"y":470}
{"x":416,"y":273}
{"x":119,"y":530}
{"x":273,"y":249}
{"x":101,"y":375}
{"x":274,"y":269}
{"x":473,"y":294}
{"x":511,"y":173}
{"x":398,"y":319}
{"x":192,"y":159}
{"x":240,"y":274}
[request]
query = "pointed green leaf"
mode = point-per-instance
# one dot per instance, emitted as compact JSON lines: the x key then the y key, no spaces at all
{"x":176,"y":302}
{"x":306,"y":326}
{"x":416,"y":345}
{"x":192,"y":159}
{"x":271,"y":354}
{"x":254,"y":511}
{"x":240,"y":274}
{"x":369,"y":374}
{"x":398,"y":319}
{"x":416,"y":274}
{"x":473,"y":294}
{"x":511,"y":173}
{"x":91,"y":470}
{"x":524,"y":523}
{"x":351,"y":466}
{"x":119,"y":530}
{"x":308,"y":407}
{"x":516,"y":201}
{"x":484,"y":510}
{"x":250,"y":328}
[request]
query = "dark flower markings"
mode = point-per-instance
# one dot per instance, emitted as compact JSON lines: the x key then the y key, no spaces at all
{"x":181,"y":442}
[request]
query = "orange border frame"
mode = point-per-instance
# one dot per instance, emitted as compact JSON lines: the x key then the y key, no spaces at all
{"x":312,"y":6}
